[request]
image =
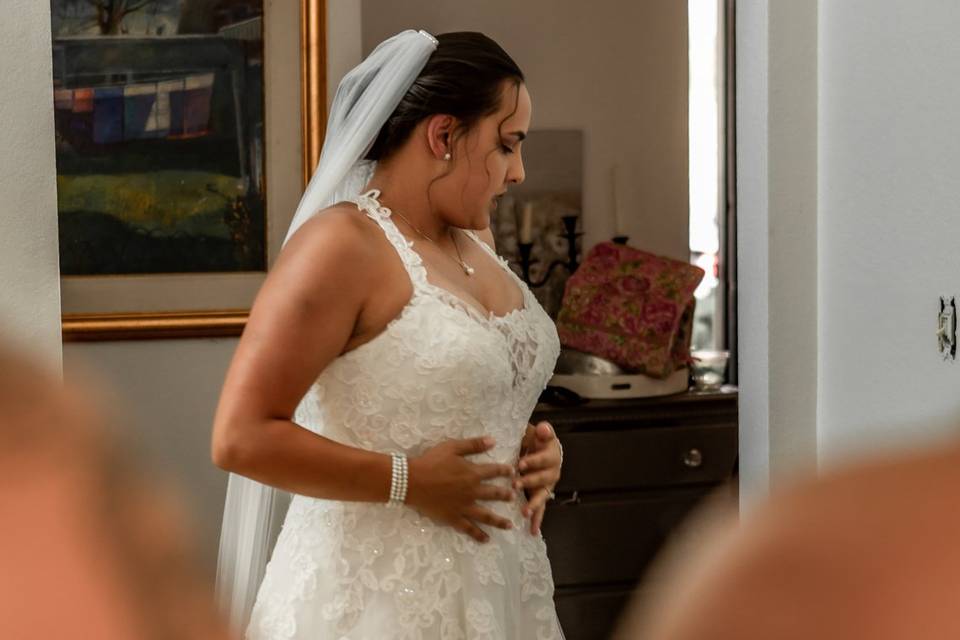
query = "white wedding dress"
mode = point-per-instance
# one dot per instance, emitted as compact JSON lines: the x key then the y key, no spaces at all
{"x":441,"y":369}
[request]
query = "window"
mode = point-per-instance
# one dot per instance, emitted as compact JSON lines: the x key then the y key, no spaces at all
{"x":709,"y":219}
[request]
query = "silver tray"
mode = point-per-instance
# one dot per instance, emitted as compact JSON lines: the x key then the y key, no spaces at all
{"x":573,"y":362}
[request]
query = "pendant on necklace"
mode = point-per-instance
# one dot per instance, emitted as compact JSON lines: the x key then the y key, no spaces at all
{"x":467,"y":268}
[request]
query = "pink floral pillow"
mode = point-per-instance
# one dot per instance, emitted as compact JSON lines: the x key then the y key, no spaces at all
{"x":631,"y":307}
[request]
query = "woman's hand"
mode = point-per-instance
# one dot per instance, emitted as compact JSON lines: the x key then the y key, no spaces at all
{"x":539,"y":464}
{"x":444,"y":486}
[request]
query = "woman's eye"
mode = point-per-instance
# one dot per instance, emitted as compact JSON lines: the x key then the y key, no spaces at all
{"x":506,"y":149}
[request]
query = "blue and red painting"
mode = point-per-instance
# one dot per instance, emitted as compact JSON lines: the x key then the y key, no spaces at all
{"x":159,"y":136}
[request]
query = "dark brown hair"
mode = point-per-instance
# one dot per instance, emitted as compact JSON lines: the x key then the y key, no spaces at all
{"x":463,"y":78}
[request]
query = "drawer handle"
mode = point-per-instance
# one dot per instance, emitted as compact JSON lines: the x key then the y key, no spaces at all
{"x":693,"y":459}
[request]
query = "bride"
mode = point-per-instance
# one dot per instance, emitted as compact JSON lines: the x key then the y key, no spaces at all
{"x":388,"y":372}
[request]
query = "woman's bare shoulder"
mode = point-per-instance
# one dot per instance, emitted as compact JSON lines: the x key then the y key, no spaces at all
{"x":342,"y":216}
{"x":340,"y":228}
{"x":337,"y":246}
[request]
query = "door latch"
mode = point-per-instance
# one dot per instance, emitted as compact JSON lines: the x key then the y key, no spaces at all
{"x":947,"y":328}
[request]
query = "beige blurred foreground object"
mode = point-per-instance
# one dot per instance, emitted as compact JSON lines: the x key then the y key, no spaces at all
{"x":90,"y":545}
{"x":868,"y":552}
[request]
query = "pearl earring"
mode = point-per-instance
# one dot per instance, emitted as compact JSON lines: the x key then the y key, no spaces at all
{"x":447,"y":156}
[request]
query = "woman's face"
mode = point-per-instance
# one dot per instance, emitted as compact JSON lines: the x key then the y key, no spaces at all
{"x":486,"y":160}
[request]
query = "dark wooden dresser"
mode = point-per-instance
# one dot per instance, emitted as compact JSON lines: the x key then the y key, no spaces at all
{"x":632,"y":471}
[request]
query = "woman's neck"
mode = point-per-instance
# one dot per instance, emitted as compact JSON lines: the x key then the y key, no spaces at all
{"x":409,"y":199}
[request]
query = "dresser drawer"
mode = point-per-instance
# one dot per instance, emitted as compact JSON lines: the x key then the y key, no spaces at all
{"x":647,"y":458}
{"x":590,"y":614}
{"x":611,"y":540}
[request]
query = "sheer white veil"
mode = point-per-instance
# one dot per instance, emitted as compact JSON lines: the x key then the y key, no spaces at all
{"x":365,"y":98}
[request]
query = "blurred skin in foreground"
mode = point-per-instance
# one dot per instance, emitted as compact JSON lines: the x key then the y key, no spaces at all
{"x":868,"y":552}
{"x":91,"y":546}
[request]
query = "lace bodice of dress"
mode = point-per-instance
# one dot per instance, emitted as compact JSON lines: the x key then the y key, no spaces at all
{"x":361,"y":571}
{"x":441,"y":369}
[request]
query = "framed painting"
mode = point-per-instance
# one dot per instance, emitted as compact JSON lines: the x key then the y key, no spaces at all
{"x":186,"y":131}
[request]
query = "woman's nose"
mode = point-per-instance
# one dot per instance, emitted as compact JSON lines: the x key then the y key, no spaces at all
{"x":517,"y":174}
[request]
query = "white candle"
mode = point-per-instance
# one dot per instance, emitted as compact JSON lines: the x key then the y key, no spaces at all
{"x":526,"y":224}
{"x":615,"y":201}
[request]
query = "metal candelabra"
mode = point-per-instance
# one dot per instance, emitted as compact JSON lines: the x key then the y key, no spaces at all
{"x":571,"y":263}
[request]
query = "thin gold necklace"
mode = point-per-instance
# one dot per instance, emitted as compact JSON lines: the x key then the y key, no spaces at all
{"x":466,"y":268}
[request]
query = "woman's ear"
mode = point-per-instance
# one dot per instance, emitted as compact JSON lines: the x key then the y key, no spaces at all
{"x":440,"y":135}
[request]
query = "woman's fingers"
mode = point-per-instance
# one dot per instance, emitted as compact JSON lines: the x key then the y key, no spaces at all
{"x":544,"y":431}
{"x":536,"y":479}
{"x":493,"y":492}
{"x":470,"y":446}
{"x":485,"y":516}
{"x":537,"y":520}
{"x":535,"y":508}
{"x":537,"y":501}
{"x":539,"y":460}
{"x":465,"y":526}
{"x":488,"y":471}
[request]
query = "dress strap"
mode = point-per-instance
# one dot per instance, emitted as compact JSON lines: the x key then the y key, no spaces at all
{"x":370,"y":204}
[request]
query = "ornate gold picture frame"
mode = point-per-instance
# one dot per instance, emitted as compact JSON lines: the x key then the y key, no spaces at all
{"x":139,"y":307}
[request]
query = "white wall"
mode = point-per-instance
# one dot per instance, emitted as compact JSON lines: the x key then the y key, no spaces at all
{"x":777,"y":239}
{"x":165,"y":393}
{"x":889,"y":222}
{"x":616,"y":69}
{"x":864,"y":92}
{"x":29,"y":247}
{"x":344,"y":41}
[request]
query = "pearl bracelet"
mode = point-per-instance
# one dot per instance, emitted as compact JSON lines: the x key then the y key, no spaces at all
{"x":398,"y":480}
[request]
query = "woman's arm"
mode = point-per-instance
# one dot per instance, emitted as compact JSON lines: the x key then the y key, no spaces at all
{"x":302,"y":317}
{"x":301,"y":320}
